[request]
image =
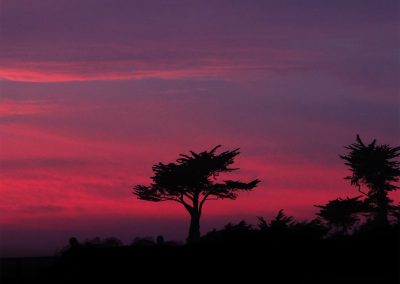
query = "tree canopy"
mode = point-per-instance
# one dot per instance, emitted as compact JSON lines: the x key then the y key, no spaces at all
{"x":342,"y":213}
{"x":375,"y":167}
{"x":192,"y":180}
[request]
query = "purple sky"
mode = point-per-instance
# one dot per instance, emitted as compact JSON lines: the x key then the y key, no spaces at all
{"x":94,"y":92}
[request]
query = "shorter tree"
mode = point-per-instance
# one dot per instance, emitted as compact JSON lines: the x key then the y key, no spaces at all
{"x":342,"y":214}
{"x":374,"y":166}
{"x":281,"y":221}
{"x":191,"y":181}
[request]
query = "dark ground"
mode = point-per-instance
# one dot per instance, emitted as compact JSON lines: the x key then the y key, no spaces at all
{"x":243,"y":257}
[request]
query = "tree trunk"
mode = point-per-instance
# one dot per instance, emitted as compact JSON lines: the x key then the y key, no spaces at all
{"x":382,"y":217}
{"x":382,"y":202}
{"x":194,"y":229}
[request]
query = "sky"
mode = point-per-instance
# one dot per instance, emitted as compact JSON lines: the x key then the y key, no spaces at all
{"x":94,"y":92}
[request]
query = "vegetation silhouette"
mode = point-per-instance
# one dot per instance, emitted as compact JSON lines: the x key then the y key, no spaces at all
{"x":284,"y":226}
{"x":191,"y":181}
{"x":342,"y":244}
{"x":106,"y":242}
{"x":73,"y":249}
{"x":374,"y":166}
{"x":342,"y":214}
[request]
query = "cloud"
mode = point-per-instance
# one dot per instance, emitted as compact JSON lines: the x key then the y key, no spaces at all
{"x":91,"y":100}
{"x":43,"y":163}
{"x":46,"y":209}
{"x":12,"y":111}
{"x":143,"y":64}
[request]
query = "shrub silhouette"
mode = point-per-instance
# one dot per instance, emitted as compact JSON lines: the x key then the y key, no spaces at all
{"x":341,"y":214}
{"x":109,"y":242}
{"x":143,"y":241}
{"x":280,"y":222}
{"x":232,"y":233}
{"x":284,"y":226}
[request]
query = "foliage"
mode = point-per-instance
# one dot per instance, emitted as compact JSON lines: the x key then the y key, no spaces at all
{"x":105,"y":243}
{"x":374,"y":166}
{"x":192,"y":180}
{"x":342,"y":213}
{"x":193,"y":175}
{"x":280,"y":221}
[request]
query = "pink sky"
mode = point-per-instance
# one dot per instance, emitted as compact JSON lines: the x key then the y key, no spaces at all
{"x":93,"y":93}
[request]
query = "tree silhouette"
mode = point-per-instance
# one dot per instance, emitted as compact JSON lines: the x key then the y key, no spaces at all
{"x":373,"y":166}
{"x":281,"y":221}
{"x":191,"y":181}
{"x":342,"y":213}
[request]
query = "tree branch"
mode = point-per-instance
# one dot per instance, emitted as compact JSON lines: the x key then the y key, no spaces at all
{"x":187,"y":195}
{"x":204,"y":199}
{"x":359,"y":190}
{"x":170,"y":198}
{"x":187,"y":206}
